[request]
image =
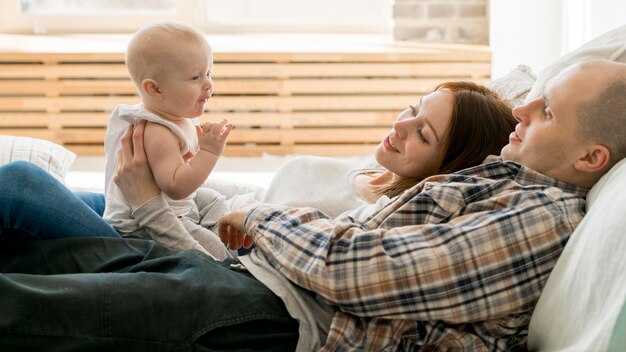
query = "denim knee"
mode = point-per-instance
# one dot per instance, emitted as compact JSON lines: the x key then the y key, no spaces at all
{"x":94,"y":200}
{"x":18,"y":171}
{"x":16,"y":177}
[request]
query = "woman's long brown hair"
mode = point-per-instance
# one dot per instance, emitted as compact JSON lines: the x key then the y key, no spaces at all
{"x":480,"y":126}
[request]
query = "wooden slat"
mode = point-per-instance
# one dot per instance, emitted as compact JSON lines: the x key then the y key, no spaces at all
{"x":392,"y":69}
{"x":315,"y":149}
{"x":334,"y":85}
{"x":240,"y":136}
{"x":66,"y":87}
{"x":35,"y":133}
{"x":82,"y":119}
{"x":54,"y":71}
{"x":302,"y":119}
{"x":308,"y":135}
{"x":233,"y":86}
{"x":306,"y":119}
{"x":435,"y":69}
{"x":218,"y":103}
{"x":258,"y":150}
{"x":86,"y":149}
{"x":315,"y":103}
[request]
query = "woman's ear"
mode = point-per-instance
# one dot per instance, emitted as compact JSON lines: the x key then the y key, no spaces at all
{"x":595,"y":159}
{"x":151,"y":87}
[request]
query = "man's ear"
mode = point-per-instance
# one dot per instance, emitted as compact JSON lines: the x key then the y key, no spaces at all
{"x":151,"y":87}
{"x":595,"y":158}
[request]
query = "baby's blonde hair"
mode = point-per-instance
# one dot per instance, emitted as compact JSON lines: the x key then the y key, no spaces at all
{"x":148,"y":52}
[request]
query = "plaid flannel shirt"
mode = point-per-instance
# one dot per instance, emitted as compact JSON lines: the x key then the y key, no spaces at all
{"x":456,"y":262}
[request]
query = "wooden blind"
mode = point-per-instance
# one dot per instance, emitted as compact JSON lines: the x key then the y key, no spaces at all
{"x":281,"y":101}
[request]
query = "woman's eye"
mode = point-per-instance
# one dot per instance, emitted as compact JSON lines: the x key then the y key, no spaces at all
{"x":420,"y":135}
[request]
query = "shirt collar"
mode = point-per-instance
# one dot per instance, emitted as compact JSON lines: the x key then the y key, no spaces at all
{"x":495,"y":168}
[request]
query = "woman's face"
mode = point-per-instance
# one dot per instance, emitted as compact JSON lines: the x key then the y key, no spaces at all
{"x":414,"y":148}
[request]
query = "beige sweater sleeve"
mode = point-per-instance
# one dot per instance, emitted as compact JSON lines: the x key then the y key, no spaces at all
{"x":162,"y":225}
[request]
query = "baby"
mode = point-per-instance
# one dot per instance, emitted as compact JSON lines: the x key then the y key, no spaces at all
{"x":170,"y":65}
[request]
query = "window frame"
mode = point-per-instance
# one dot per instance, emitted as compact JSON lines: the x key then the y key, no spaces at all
{"x":191,"y":12}
{"x":207,"y":24}
{"x":15,"y":22}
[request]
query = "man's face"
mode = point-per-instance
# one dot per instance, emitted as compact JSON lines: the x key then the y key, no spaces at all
{"x":545,"y":138}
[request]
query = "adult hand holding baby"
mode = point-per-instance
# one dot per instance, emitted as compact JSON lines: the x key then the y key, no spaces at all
{"x":133,"y":175}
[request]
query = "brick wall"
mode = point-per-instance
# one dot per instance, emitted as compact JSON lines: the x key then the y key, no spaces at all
{"x":450,"y":21}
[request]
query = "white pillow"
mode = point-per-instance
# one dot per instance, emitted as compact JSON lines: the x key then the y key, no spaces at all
{"x":610,"y":46}
{"x":514,"y":86}
{"x":53,"y":158}
{"x":586,"y":291}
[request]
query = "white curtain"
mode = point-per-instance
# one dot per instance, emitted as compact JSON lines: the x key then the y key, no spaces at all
{"x":584,"y":20}
{"x":577,"y":24}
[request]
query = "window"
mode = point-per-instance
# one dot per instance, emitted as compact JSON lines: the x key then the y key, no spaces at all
{"x":111,"y":16}
{"x":52,"y":7}
{"x":297,"y":15}
{"x":95,"y":16}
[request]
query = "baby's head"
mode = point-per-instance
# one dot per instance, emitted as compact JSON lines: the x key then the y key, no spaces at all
{"x":170,"y":64}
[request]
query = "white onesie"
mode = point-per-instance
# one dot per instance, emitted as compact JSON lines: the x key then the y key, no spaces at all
{"x":119,"y":213}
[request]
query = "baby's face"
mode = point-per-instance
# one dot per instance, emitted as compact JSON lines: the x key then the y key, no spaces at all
{"x":186,"y":83}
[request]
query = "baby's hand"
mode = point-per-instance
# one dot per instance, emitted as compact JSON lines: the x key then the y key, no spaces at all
{"x":212,"y":137}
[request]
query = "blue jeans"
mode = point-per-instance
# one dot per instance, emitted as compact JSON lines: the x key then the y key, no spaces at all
{"x":115,"y":294}
{"x":94,"y":200}
{"x":33,"y":204}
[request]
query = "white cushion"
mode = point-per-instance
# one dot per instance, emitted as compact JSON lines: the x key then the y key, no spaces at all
{"x":53,"y":158}
{"x":610,"y":46}
{"x":586,"y":291}
{"x":514,"y":86}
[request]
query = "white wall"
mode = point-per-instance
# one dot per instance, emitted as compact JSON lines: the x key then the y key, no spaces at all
{"x":607,"y":15}
{"x":524,"y":32}
{"x":534,"y":32}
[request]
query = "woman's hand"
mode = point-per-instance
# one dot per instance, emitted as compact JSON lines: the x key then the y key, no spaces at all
{"x":133,"y":175}
{"x":231,"y":231}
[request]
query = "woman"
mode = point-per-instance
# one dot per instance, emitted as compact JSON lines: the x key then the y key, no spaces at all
{"x":455,"y":127}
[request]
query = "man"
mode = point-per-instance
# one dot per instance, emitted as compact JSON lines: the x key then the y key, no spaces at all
{"x":457,"y":262}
